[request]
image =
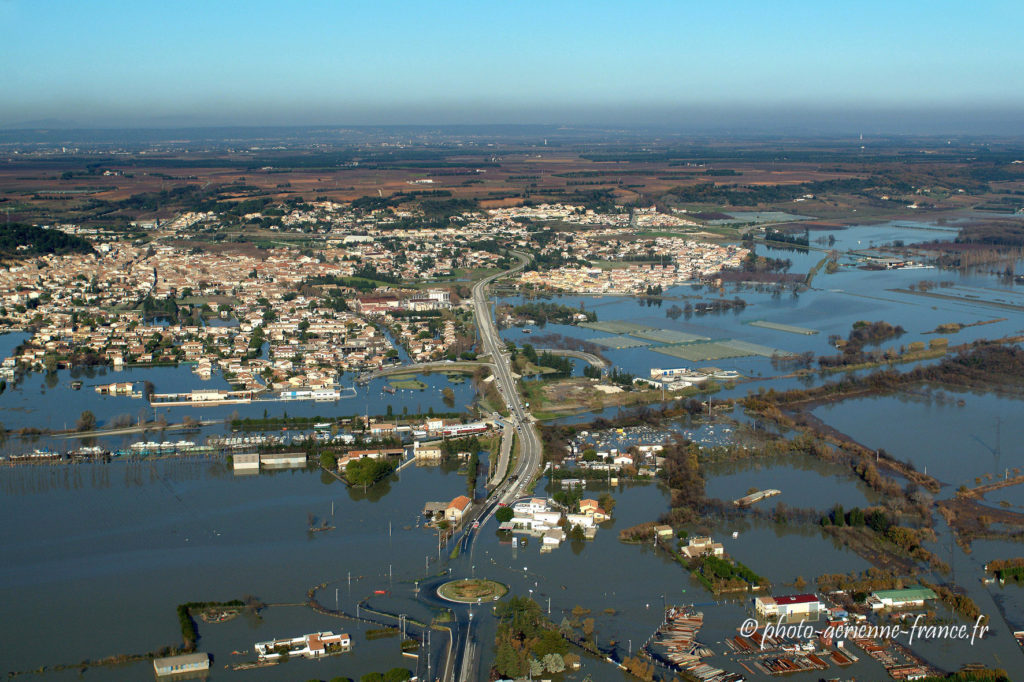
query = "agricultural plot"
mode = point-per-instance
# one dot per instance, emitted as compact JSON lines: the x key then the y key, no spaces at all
{"x":668,"y":336}
{"x":717,"y":350}
{"x":619,"y":342}
{"x":783,"y":327}
{"x":756,"y":348}
{"x":615,"y":327}
{"x":702,"y":352}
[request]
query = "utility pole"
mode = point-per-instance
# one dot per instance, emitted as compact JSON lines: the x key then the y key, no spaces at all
{"x":999,"y":425}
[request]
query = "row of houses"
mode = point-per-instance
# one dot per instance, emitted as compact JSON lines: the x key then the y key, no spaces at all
{"x":541,"y":518}
{"x":809,"y":605}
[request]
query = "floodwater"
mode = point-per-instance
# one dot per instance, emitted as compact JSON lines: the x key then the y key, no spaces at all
{"x":30,"y":403}
{"x":831,"y":306}
{"x":803,"y":482}
{"x":100,"y":555}
{"x":929,"y":427}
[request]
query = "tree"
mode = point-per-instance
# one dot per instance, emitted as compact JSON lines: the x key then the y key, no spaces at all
{"x":588,"y":627}
{"x":504,"y":514}
{"x":366,"y":471}
{"x":838,"y":516}
{"x":86,"y":421}
{"x":397,"y":675}
{"x":506,"y":661}
{"x":553,"y":663}
{"x":50,"y":362}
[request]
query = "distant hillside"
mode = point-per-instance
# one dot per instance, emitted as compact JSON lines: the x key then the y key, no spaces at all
{"x":38,"y":241}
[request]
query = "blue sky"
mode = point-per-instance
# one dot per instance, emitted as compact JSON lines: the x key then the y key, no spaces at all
{"x":501,"y":61}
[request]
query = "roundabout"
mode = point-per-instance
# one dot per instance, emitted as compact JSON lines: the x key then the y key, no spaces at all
{"x":472,"y":591}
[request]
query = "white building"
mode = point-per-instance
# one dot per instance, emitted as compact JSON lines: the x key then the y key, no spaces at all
{"x":532,"y":506}
{"x":553,"y":537}
{"x":247,"y":461}
{"x":702,"y":546}
{"x":790,"y":605}
{"x":581,"y":520}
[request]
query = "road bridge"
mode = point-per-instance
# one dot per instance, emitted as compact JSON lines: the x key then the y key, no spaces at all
{"x":590,"y":358}
{"x":424,"y":367}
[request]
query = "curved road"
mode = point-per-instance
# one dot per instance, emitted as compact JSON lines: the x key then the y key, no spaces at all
{"x":461,"y":663}
{"x":529,"y":456}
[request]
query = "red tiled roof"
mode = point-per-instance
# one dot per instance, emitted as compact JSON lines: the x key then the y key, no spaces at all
{"x":796,"y":599}
{"x":460,"y":503}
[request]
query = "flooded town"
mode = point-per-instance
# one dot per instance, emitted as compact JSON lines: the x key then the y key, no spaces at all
{"x":510,"y":403}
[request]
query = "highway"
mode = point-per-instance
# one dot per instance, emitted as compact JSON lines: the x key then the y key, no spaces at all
{"x":461,"y":661}
{"x":530,"y":450}
{"x":462,"y":665}
{"x":461,"y":653}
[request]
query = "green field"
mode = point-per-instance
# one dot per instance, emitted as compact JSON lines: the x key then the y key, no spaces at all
{"x":668,"y":336}
{"x":619,"y":342}
{"x":718,"y":350}
{"x":472,"y":590}
{"x":615,"y":327}
{"x":783,"y":327}
{"x":411,"y":384}
{"x":701,"y":352}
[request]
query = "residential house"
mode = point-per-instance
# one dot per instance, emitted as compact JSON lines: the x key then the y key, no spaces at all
{"x":457,"y":509}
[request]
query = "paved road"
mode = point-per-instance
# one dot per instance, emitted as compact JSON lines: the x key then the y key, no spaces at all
{"x":463,"y":664}
{"x":528,"y":462}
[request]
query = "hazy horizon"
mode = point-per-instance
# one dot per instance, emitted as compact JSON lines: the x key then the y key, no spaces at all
{"x":788,"y":67}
